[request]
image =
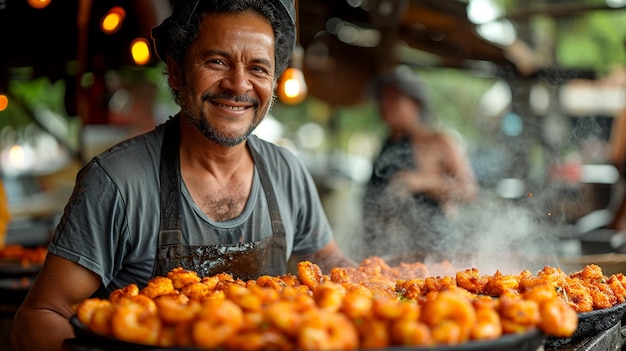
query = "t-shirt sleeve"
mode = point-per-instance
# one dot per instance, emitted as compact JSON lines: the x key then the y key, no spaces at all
{"x":92,"y":225}
{"x":312,"y":229}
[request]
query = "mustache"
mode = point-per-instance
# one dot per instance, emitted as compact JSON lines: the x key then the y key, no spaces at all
{"x":228,"y":96}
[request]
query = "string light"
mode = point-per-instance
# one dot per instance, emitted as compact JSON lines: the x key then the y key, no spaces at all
{"x":112,"y":21}
{"x":140,"y":50}
{"x":4,"y":102}
{"x":38,"y":4}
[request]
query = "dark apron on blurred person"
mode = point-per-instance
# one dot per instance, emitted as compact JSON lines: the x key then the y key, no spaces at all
{"x":242,"y":260}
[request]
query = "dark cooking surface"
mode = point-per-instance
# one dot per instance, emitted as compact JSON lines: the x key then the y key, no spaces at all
{"x":590,"y":323}
{"x":529,"y":341}
{"x":611,"y":339}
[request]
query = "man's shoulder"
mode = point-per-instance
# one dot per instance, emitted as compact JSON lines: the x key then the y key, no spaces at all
{"x":131,"y":157}
{"x":271,"y":150}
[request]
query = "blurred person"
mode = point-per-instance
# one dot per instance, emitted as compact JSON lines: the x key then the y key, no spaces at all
{"x":196,"y":189}
{"x":419,"y":178}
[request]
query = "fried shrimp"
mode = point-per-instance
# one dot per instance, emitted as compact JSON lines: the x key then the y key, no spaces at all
{"x":499,"y":284}
{"x":271,"y":282}
{"x":200,"y":290}
{"x":411,"y":289}
{"x":357,"y":303}
{"x":557,"y":318}
{"x":590,"y":272}
{"x":141,"y":300}
{"x":84,"y":310}
{"x":618,"y":288}
{"x":127,"y":291}
{"x":450,"y":316}
{"x":373,"y":334}
{"x":158,"y":286}
{"x":329,"y":296}
{"x":540,"y":293}
{"x":310,"y":274}
{"x":218,"y":320}
{"x":518,"y":315}
{"x":284,"y":315}
{"x":96,"y":314}
{"x":181,"y":277}
{"x":173,"y":309}
{"x":410,"y":333}
{"x":133,"y":322}
{"x":471,"y":280}
{"x":488,"y":324}
{"x":259,"y":340}
{"x":389,"y":309}
{"x":244,"y":297}
{"x":324,"y":330}
{"x":339,"y":275}
{"x":602,"y":296}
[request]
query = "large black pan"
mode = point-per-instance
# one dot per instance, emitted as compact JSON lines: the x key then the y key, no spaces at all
{"x":528,"y":341}
{"x":590,"y":323}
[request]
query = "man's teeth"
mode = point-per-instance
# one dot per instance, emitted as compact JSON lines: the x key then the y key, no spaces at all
{"x":234,"y":108}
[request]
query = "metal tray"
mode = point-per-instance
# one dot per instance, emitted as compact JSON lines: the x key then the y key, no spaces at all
{"x":528,"y":341}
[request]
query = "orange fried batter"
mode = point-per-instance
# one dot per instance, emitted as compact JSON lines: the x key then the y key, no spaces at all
{"x":370,"y":306}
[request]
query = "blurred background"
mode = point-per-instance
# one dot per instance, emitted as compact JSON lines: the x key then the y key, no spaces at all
{"x":534,"y":90}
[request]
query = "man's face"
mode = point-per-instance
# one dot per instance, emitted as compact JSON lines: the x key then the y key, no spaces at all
{"x":226,"y":84}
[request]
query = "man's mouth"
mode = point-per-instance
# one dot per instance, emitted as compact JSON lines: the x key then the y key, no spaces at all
{"x":234,"y":108}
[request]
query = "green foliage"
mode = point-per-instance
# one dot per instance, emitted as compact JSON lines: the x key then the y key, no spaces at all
{"x":595,"y":40}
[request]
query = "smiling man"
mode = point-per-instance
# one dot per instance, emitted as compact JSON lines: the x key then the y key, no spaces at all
{"x":195,"y":190}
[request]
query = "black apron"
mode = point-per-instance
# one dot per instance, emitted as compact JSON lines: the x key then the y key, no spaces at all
{"x":242,"y":260}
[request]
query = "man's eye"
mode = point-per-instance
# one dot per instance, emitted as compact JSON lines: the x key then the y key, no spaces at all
{"x":259,"y":69}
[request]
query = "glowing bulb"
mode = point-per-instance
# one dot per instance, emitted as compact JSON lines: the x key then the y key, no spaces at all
{"x":292,"y":87}
{"x":140,"y":50}
{"x":4,"y":102}
{"x":17,"y":156}
{"x":112,"y":21}
{"x":38,"y":4}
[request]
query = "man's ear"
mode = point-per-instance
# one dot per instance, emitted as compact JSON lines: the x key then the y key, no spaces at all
{"x":174,"y":75}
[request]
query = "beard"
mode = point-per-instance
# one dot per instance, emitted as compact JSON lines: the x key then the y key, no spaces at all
{"x":199,"y":120}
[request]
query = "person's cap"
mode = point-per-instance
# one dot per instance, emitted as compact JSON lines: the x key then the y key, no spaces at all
{"x":402,"y":78}
{"x":182,"y":11}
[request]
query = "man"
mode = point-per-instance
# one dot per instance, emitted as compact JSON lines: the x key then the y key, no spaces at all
{"x":199,"y":191}
{"x":419,"y":178}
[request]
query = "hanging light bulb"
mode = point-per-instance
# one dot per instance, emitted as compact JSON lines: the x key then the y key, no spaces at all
{"x":39,"y":4}
{"x":292,"y":88}
{"x":140,"y":51}
{"x":112,"y":21}
{"x":4,"y":102}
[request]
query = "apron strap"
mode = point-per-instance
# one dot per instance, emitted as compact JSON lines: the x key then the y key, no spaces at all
{"x":169,"y":175}
{"x":170,"y":234}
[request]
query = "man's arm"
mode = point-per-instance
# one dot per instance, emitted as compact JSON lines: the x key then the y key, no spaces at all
{"x":328,"y":257}
{"x":42,"y":321}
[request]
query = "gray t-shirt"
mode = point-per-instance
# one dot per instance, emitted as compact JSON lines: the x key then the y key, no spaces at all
{"x":110,"y":224}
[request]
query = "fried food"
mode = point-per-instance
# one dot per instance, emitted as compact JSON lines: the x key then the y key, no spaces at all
{"x":26,"y":256}
{"x":218,"y":321}
{"x":325,"y":330}
{"x":135,"y":322}
{"x":450,"y":317}
{"x":371,"y":306}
